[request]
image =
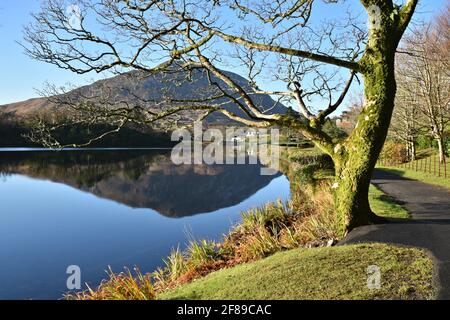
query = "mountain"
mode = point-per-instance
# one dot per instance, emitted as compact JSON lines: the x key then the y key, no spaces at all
{"x":136,"y":86}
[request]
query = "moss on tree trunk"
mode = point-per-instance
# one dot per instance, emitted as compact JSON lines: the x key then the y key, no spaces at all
{"x":355,"y":159}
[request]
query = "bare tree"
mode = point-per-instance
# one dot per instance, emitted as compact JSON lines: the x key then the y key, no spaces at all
{"x":274,"y":36}
{"x":407,"y":120}
{"x":427,"y":76}
{"x":443,"y":28}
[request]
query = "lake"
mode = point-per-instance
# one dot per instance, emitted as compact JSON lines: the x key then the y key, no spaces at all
{"x":100,"y":208}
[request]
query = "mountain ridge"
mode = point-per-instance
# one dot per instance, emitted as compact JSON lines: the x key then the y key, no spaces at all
{"x":137,"y":86}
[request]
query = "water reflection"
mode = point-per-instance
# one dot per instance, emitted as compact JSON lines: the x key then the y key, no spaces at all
{"x":111,"y":208}
{"x":143,"y":179}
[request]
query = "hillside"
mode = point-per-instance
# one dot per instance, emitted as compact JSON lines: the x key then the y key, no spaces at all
{"x":148,"y":90}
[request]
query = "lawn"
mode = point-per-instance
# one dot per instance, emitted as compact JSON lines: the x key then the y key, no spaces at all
{"x":322,"y":273}
{"x":384,"y":205}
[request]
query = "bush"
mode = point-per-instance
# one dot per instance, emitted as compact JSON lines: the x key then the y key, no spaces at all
{"x":424,"y":142}
{"x":308,"y":219}
{"x":305,"y":174}
{"x":336,"y":133}
{"x":320,"y":160}
{"x":393,"y":153}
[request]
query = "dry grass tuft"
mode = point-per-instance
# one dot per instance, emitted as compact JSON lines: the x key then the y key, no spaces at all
{"x":121,"y":286}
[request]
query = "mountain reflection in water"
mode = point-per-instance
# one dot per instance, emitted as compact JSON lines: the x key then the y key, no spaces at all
{"x":143,"y":179}
{"x":98,"y":208}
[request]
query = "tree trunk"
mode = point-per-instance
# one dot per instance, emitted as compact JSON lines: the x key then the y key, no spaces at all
{"x":441,"y":149}
{"x":355,"y":159}
{"x":413,"y":151}
{"x":351,"y":195}
{"x":408,"y":150}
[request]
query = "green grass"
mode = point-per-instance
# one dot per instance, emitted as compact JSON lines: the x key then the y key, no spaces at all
{"x":321,"y":273}
{"x":420,"y":176}
{"x":384,"y":205}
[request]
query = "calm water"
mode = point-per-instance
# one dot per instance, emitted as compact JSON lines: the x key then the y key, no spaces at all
{"x":117,"y":208}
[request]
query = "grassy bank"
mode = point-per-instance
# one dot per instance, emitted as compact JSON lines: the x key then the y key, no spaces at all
{"x":321,"y":273}
{"x":420,"y":176}
{"x":280,"y":229}
{"x":270,"y":250}
{"x":306,"y":220}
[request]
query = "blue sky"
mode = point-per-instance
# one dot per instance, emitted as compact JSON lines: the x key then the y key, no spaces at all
{"x":21,"y":76}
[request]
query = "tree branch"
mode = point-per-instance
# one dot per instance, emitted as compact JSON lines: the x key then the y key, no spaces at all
{"x":332,"y":107}
{"x":288,"y":51}
{"x":319,"y":137}
{"x":406,"y":14}
{"x":301,"y":104}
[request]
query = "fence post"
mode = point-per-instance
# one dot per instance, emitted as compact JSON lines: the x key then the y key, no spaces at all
{"x":439,"y":172}
{"x":445,"y":168}
{"x":431,"y":164}
{"x":434,"y":165}
{"x":429,"y":169}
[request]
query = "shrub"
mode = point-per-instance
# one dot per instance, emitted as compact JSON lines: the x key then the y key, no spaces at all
{"x":305,"y":174}
{"x":261,"y":243}
{"x":393,"y":153}
{"x":336,"y":133}
{"x":321,"y":160}
{"x":264,"y":216}
{"x":424,"y":142}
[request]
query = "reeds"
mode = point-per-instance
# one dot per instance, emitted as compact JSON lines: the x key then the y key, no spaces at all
{"x":120,"y":286}
{"x":307,"y":220}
